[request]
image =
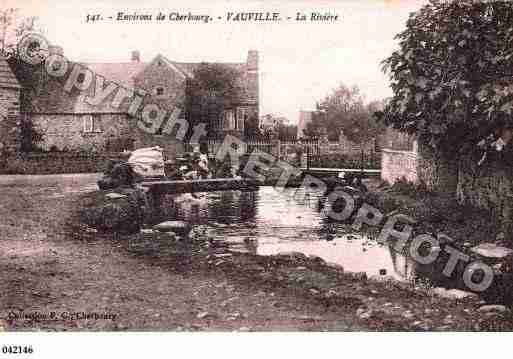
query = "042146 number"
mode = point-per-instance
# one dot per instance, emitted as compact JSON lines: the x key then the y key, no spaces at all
{"x":17,"y":349}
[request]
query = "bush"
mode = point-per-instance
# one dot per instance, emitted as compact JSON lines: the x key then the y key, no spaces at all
{"x":407,"y":188}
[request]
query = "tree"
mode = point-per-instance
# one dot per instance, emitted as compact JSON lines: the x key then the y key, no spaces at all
{"x":13,"y":28}
{"x":344,"y":110}
{"x":211,"y":91}
{"x":251,"y":129}
{"x":452,"y":75}
{"x":7,"y":18}
{"x":286,"y":132}
{"x":29,"y":136}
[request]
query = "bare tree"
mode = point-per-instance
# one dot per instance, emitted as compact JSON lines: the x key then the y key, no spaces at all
{"x":13,"y":27}
{"x":7,"y":19}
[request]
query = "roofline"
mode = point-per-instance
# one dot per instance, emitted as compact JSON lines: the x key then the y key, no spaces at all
{"x":176,"y":68}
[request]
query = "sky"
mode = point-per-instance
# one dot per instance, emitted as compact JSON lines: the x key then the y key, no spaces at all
{"x":300,"y":62}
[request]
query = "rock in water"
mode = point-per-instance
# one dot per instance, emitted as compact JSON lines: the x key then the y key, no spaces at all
{"x":453,"y":293}
{"x":181,"y":228}
{"x":491,"y":250}
{"x":493,"y":308}
{"x":114,"y":195}
{"x":124,"y":214}
{"x":382,"y":278}
{"x":201,"y":232}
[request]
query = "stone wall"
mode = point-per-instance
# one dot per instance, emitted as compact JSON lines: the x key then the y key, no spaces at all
{"x":67,"y":131}
{"x":9,"y":102}
{"x":159,"y":74}
{"x":489,"y":186}
{"x":53,"y":163}
{"x":399,"y":164}
{"x":9,"y":115}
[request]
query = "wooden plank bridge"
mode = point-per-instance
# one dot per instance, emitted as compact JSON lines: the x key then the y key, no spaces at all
{"x":159,"y":188}
{"x":353,"y":172}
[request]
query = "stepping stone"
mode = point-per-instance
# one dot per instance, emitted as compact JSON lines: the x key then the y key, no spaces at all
{"x":179,"y":227}
{"x":491,"y":250}
{"x":453,"y":293}
{"x":493,"y":308}
{"x":114,"y":195}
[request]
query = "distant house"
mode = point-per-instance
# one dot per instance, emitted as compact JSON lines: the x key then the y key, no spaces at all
{"x":270,"y":121}
{"x":305,"y":117}
{"x":69,"y":122}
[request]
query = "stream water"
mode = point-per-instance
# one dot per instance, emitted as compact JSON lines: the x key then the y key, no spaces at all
{"x":266,"y":222}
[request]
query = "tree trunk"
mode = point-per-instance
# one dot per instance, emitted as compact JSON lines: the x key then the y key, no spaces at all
{"x":438,"y":171}
{"x":489,"y":187}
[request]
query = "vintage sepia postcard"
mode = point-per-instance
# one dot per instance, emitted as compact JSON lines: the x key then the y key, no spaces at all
{"x":250,"y":166}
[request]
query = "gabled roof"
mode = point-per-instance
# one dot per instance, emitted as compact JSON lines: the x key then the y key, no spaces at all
{"x":189,"y":67}
{"x":121,"y":73}
{"x":7,"y":78}
{"x":45,"y":94}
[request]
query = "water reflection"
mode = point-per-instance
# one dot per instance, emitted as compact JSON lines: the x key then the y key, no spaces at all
{"x":267,"y":222}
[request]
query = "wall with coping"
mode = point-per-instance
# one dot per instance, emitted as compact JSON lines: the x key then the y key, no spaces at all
{"x":397,"y":164}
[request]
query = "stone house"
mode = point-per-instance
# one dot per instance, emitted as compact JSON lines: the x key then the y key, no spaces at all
{"x":68,"y":122}
{"x":10,"y":90}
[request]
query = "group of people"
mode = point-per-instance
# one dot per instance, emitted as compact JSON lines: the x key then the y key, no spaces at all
{"x":192,"y":166}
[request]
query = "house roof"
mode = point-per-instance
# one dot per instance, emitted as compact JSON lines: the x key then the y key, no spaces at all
{"x":121,"y":73}
{"x":46,"y":94}
{"x":7,"y":78}
{"x":188,"y":67}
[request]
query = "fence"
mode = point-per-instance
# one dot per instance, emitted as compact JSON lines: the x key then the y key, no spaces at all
{"x":319,"y":153}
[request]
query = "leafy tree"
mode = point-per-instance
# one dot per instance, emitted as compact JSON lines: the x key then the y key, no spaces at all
{"x":287,"y":132}
{"x":345,"y":110}
{"x":251,"y":129}
{"x":452,"y":74}
{"x":211,"y":91}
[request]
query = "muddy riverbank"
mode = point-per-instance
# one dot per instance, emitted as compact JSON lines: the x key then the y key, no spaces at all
{"x":52,"y":263}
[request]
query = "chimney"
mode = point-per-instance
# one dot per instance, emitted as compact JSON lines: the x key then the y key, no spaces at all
{"x":252,"y":61}
{"x":136,"y":56}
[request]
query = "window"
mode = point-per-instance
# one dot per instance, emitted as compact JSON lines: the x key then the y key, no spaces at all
{"x":92,"y":124}
{"x":159,"y":91}
{"x":241,"y":118}
{"x":229,"y":121}
{"x":80,"y":78}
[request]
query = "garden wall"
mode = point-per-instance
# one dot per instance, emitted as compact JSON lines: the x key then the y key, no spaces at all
{"x":398,"y":164}
{"x":54,"y":163}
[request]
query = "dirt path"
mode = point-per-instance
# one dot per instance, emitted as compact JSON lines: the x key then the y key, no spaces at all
{"x":48,"y":267}
{"x":43,"y":270}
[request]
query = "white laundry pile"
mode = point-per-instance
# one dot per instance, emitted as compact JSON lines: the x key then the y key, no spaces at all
{"x":148,"y":162}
